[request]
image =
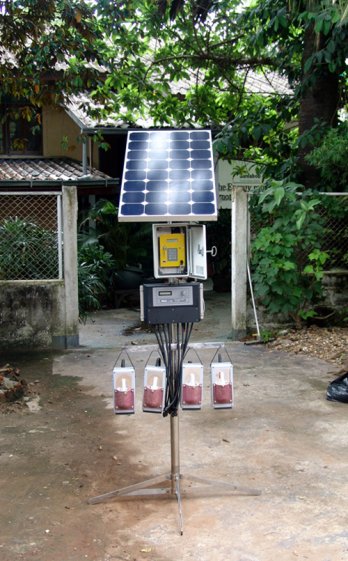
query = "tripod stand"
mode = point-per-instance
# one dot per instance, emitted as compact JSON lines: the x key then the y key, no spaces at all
{"x":169,"y":484}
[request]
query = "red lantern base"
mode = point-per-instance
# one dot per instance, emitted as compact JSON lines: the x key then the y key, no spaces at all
{"x":153,"y":399}
{"x":191,"y":395}
{"x":124,"y":400}
{"x":222,"y":394}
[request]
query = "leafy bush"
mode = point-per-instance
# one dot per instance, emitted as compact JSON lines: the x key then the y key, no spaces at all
{"x":331,"y":157}
{"x":95,"y":270}
{"x":287,"y":271}
{"x":105,"y":247}
{"x":128,"y":243}
{"x":27,"y":251}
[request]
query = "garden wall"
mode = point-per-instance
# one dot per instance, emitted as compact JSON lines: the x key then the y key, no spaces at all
{"x":39,"y":312}
{"x":32,"y":316}
{"x":335,"y":285}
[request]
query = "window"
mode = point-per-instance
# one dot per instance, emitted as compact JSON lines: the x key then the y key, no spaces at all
{"x":20,"y":130}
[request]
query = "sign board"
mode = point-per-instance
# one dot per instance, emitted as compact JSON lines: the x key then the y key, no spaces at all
{"x":236,"y":172}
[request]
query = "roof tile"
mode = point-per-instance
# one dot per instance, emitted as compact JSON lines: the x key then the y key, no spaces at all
{"x":46,"y":169}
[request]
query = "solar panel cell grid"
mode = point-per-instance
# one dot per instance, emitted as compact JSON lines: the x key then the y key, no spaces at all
{"x":168,"y":175}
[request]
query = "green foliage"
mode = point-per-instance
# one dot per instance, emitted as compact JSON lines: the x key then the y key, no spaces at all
{"x":257,"y":134}
{"x":335,"y":209}
{"x":330,"y":157}
{"x":287,"y":272}
{"x":101,"y":261}
{"x":27,"y":251}
{"x":95,"y":269}
{"x":267,"y":335}
{"x":180,"y":63}
{"x":128,"y":243}
{"x":105,"y":247}
{"x":181,"y":68}
{"x":52,"y":49}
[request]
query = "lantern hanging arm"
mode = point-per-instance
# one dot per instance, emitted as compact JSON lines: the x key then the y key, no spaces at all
{"x":218,"y":351}
{"x":158,"y":359}
{"x":189,"y":350}
{"x":122,"y":360}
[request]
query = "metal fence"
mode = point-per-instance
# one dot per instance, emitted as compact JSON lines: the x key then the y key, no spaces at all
{"x":334,"y":213}
{"x":332,"y":237}
{"x":31,"y":236}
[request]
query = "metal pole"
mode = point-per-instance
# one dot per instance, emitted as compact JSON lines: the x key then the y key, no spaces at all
{"x":174,"y":448}
{"x":174,"y":419}
{"x":253,"y":302}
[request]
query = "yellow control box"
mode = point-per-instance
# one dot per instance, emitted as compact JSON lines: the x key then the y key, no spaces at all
{"x":172,"y":250}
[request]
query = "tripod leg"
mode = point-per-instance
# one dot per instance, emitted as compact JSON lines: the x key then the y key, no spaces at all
{"x":224,"y":485}
{"x":132,"y":489}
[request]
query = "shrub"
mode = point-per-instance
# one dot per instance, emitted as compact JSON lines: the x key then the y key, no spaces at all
{"x":331,"y":157}
{"x":27,"y":251}
{"x":95,"y":269}
{"x":287,"y":270}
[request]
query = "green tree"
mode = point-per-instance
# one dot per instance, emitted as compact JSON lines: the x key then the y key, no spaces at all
{"x":188,"y":62}
{"x":49,"y":49}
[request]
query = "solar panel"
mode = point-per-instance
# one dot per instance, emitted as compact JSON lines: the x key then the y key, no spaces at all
{"x":168,"y":176}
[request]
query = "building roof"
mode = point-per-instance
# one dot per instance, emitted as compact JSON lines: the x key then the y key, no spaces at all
{"x":54,"y":172}
{"x":267,"y":83}
{"x":81,"y":107}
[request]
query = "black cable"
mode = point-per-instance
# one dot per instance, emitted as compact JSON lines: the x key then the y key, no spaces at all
{"x":164,"y":336}
{"x":164,"y":342}
{"x":160,"y":342}
{"x":177,"y":373}
{"x":169,"y":389}
{"x":171,"y":404}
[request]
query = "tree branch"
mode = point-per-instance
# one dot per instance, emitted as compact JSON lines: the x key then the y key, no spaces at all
{"x":221,"y":60}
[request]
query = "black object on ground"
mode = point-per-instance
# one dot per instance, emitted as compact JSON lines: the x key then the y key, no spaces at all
{"x":338,"y":389}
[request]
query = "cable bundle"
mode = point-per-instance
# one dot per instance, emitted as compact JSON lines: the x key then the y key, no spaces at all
{"x":173,"y":348}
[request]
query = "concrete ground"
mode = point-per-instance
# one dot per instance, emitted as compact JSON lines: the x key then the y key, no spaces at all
{"x":282,"y":438}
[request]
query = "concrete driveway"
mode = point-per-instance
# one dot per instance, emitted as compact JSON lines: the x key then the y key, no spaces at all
{"x":282,"y":438}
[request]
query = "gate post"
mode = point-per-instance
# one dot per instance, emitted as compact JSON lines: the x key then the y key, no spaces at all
{"x":70,"y":336}
{"x":239,"y":251}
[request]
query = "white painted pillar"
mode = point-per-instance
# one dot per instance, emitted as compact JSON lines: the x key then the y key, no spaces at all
{"x":71,"y":335}
{"x":239,"y":252}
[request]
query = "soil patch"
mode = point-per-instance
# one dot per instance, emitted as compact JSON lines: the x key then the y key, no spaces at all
{"x":329,"y":344}
{"x":15,"y":392}
{"x":51,"y":461}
